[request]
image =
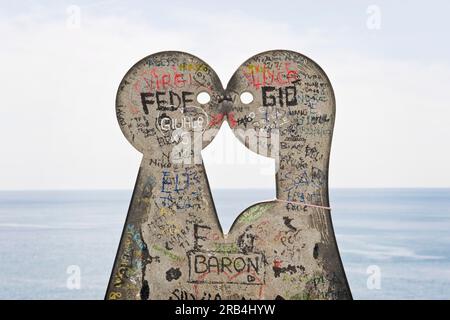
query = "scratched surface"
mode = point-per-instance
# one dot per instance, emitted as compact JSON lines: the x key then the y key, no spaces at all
{"x":172,"y":246}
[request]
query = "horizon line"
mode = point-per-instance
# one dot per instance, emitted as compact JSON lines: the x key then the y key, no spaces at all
{"x":256,"y":188}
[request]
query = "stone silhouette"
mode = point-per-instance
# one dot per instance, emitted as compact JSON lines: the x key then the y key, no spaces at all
{"x":172,"y":246}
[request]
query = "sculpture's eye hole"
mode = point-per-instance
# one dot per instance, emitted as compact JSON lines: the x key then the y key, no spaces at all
{"x":246,"y":97}
{"x":203,"y":97}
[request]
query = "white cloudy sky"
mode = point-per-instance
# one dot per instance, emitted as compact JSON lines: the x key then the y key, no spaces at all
{"x":58,"y":84}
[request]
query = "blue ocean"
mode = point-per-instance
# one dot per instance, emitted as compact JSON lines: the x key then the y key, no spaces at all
{"x":394,"y":243}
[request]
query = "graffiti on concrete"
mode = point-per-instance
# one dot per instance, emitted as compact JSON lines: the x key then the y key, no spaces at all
{"x":173,"y":246}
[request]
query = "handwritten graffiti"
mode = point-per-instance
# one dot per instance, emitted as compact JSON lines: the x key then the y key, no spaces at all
{"x":285,"y":96}
{"x":216,"y":267}
{"x":278,"y":249}
{"x":178,"y":294}
{"x":165,"y":101}
{"x":270,"y":73}
{"x":181,"y":190}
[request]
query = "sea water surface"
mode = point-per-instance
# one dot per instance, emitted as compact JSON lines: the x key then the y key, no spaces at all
{"x":394,"y":243}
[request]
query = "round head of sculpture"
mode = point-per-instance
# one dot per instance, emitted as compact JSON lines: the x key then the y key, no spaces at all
{"x":284,"y":108}
{"x":168,"y":98}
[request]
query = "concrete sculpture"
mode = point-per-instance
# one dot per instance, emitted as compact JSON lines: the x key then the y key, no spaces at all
{"x":172,"y":246}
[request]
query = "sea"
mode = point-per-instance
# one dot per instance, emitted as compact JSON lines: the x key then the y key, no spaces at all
{"x":394,"y":243}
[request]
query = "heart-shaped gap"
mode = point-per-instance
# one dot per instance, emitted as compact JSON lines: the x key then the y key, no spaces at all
{"x":238,"y":177}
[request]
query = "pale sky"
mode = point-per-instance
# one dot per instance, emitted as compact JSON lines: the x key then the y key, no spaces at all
{"x":388,"y":61}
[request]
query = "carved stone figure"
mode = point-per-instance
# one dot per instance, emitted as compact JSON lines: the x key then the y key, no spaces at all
{"x":172,"y":246}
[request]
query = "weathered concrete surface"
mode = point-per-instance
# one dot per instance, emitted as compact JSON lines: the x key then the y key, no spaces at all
{"x":172,"y":246}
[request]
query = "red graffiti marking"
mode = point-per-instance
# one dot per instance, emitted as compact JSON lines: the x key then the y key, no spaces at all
{"x":277,"y":263}
{"x":260,"y":75}
{"x":230,"y":278}
{"x":158,"y":78}
{"x":231,"y":120}
{"x":216,"y":119}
